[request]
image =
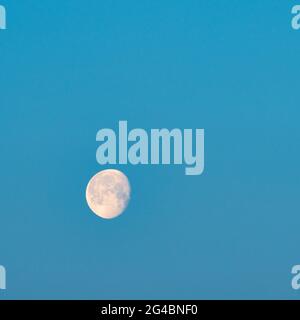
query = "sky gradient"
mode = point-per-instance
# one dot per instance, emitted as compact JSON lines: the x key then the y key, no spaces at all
{"x":70,"y":68}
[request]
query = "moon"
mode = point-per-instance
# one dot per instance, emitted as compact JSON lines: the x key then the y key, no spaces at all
{"x":108,"y":193}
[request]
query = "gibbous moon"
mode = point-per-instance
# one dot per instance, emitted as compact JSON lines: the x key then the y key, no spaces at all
{"x":108,"y":193}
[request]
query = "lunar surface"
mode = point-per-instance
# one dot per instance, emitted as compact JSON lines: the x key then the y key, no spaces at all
{"x":108,"y":193}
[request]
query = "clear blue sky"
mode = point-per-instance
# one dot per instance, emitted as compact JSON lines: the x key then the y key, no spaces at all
{"x":70,"y":68}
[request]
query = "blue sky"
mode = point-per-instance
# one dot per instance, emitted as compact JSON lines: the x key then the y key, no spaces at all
{"x":70,"y":68}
